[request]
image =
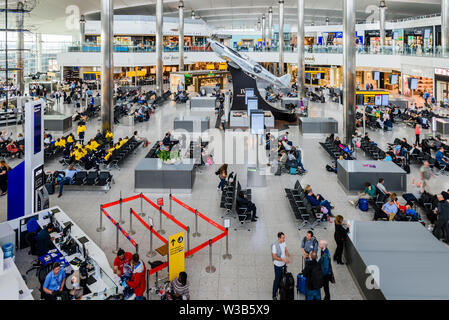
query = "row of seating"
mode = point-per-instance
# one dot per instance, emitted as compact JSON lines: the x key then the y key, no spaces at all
{"x":97,"y":180}
{"x":334,"y":151}
{"x":372,"y":150}
{"x":302,"y":209}
{"x":119,"y":155}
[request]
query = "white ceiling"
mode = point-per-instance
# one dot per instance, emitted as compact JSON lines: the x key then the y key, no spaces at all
{"x":49,"y":16}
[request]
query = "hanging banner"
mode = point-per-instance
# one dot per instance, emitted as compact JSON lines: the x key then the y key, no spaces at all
{"x":176,"y":259}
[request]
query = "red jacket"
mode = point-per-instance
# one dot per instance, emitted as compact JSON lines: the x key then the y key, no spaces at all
{"x":138,"y":279}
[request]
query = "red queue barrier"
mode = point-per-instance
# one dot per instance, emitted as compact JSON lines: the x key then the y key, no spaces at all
{"x":148,"y":227}
{"x":117,"y":225}
{"x":182,"y":204}
{"x":169,"y":216}
{"x":111,"y":204}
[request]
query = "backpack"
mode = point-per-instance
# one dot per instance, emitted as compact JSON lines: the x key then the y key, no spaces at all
{"x":329,"y":168}
{"x":317,"y":277}
{"x":293,"y":170}
{"x":363,"y":204}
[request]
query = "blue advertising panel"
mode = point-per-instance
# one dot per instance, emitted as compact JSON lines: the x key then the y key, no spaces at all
{"x":16,"y":195}
{"x":37,"y":128}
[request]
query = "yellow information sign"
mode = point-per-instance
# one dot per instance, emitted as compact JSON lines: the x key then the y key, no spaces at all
{"x":176,"y":259}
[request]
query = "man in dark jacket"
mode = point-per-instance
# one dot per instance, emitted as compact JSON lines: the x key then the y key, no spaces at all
{"x":243,"y":202}
{"x":44,"y":241}
{"x":443,"y":218}
{"x":314,"y":278}
{"x":326,"y":267}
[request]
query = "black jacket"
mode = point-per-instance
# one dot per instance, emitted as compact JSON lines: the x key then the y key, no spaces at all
{"x":340,"y":233}
{"x":443,"y":211}
{"x":43,"y":242}
{"x":307,"y":272}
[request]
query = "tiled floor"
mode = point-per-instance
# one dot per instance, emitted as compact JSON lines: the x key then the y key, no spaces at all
{"x":249,"y":275}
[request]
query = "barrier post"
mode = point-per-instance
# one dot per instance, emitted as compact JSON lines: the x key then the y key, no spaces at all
{"x":137,"y":248}
{"x":101,"y":228}
{"x":188,"y":242}
{"x":148,"y":284}
{"x":160,"y":231}
{"x":116,"y":238}
{"x":151,"y":253}
{"x":142,"y":214}
{"x":121,"y":221}
{"x":196,"y":233}
{"x":171,"y":212}
{"x":227,"y":255}
{"x":131,"y":231}
{"x":210,"y":268}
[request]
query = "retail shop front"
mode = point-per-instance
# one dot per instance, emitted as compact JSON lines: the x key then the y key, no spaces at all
{"x":441,"y":84}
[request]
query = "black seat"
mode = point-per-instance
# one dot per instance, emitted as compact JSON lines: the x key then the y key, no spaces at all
{"x":104,"y":178}
{"x":80,"y":178}
{"x":92,"y":178}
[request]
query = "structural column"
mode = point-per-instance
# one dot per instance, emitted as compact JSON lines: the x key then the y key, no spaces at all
{"x":301,"y":58}
{"x":281,"y":37}
{"x":349,"y":69}
{"x":159,"y":65}
{"x":181,"y":35}
{"x":270,"y":27}
{"x":107,"y":67}
{"x":82,"y":30}
{"x":444,"y":26}
{"x":382,"y":9}
{"x":264,"y":29}
{"x":20,"y":47}
{"x":38,"y":52}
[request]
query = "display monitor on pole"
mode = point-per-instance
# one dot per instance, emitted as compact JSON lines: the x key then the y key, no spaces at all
{"x":249,"y":92}
{"x":257,"y":122}
{"x":252,"y":104}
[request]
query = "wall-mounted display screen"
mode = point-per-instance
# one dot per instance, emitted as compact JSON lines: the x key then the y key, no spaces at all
{"x":393,"y":79}
{"x":413,"y":83}
{"x":252,"y":104}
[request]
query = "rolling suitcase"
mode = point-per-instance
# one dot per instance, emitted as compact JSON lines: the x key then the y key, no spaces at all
{"x":287,"y":286}
{"x":301,"y":281}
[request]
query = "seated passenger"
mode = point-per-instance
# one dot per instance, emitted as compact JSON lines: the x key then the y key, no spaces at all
{"x":243,"y":202}
{"x":440,"y":158}
{"x":180,"y":288}
{"x":292,"y":157}
{"x":388,"y":211}
{"x":416,"y":194}
{"x":368,"y":193}
{"x":318,"y":200}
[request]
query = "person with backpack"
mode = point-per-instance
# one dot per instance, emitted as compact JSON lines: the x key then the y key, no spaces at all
{"x":314,"y":277}
{"x":308,"y":244}
{"x":280,"y":256}
{"x":368,"y":193}
{"x":326,"y":268}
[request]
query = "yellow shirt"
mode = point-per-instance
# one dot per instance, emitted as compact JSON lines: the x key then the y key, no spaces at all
{"x":109,"y":135}
{"x":117,"y":146}
{"x":123,"y":142}
{"x":108,"y":156}
{"x":70,"y":139}
{"x":95,"y":144}
{"x":81,"y":129}
{"x":62,"y":143}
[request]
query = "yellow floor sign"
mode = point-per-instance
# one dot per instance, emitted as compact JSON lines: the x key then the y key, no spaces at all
{"x":176,"y":259}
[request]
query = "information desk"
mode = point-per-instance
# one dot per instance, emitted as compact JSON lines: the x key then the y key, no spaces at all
{"x":202,"y":102}
{"x":442,"y":126}
{"x":102,"y":281}
{"x":12,"y":283}
{"x":191,"y":123}
{"x":353,"y":174}
{"x":55,"y":122}
{"x":152,"y":175}
{"x":397,"y":254}
{"x":318,"y":125}
{"x":239,"y":119}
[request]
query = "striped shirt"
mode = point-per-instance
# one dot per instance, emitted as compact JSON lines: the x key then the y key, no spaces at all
{"x":179,"y":289}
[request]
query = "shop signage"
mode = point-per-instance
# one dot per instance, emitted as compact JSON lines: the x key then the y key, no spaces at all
{"x":442,"y":72}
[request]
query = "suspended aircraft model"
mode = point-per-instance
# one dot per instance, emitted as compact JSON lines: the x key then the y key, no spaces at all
{"x":252,"y":68}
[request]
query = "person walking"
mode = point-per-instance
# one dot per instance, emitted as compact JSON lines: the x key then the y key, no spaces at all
{"x":280,"y":256}
{"x":417,"y":134}
{"x":326,"y":268}
{"x":222,"y":173}
{"x":340,"y":236}
{"x":4,"y":168}
{"x":425,"y":173}
{"x":314,"y":277}
{"x":441,"y":226}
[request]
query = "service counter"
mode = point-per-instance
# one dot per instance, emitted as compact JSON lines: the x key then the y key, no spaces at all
{"x":207,"y":102}
{"x":57,"y":122}
{"x":191,"y":123}
{"x":318,"y":125}
{"x":240,"y":119}
{"x":442,"y":126}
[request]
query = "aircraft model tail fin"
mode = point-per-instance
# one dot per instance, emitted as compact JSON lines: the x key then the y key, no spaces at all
{"x":285,"y":80}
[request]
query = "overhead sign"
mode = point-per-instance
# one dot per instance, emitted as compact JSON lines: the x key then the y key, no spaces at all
{"x":442,"y":72}
{"x":176,"y":258}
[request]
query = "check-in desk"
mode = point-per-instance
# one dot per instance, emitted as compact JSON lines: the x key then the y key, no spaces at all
{"x":152,"y":175}
{"x":442,"y":126}
{"x":191,"y":123}
{"x":57,"y":122}
{"x":353,"y":174}
{"x":318,"y":125}
{"x":240,"y":119}
{"x":203,"y":102}
{"x":101,"y":280}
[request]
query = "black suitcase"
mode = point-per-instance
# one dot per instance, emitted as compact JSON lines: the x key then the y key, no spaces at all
{"x":50,"y":188}
{"x":287,"y":286}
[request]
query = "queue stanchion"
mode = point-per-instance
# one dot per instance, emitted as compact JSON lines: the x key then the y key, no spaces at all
{"x":151,"y":253}
{"x":121,"y":221}
{"x":116,"y":238}
{"x":171,"y":212}
{"x":131,"y":231}
{"x":142,"y":214}
{"x":227,"y":255}
{"x":101,"y":228}
{"x":188,"y":242}
{"x":160,"y":231}
{"x":148,"y":285}
{"x":137,"y":249}
{"x":196,"y":233}
{"x":210,"y":268}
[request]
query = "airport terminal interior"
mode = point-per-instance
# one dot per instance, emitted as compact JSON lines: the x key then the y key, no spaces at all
{"x":224,"y":150}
